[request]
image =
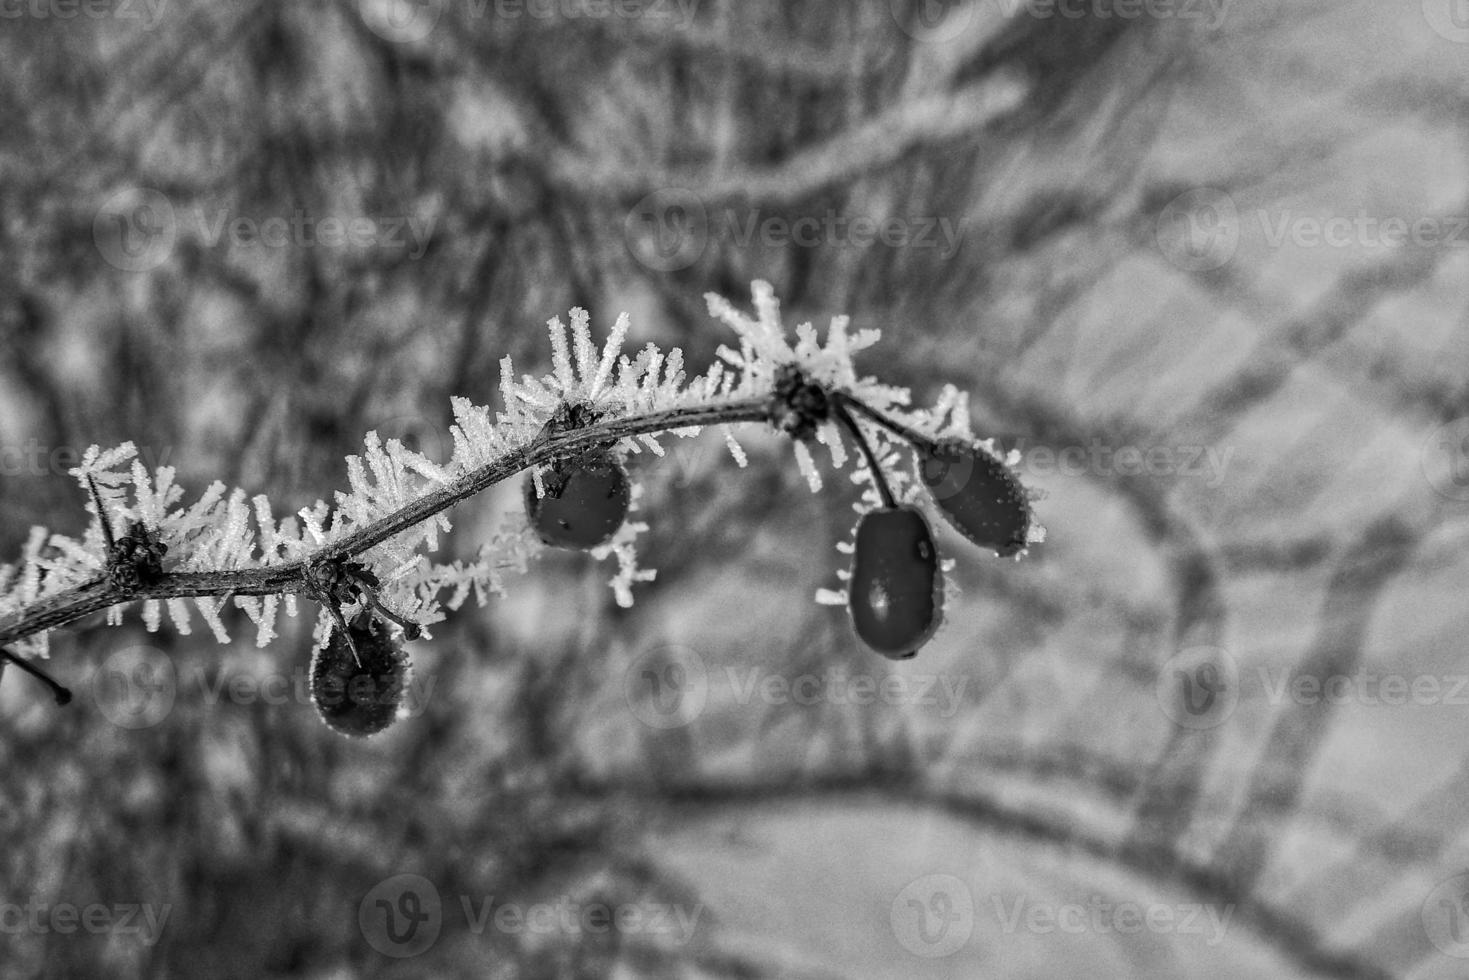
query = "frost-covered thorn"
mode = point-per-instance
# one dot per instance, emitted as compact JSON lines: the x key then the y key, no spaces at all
{"x":798,"y":405}
{"x":101,"y":515}
{"x":136,"y":558}
{"x":336,"y":583}
{"x":60,"y":691}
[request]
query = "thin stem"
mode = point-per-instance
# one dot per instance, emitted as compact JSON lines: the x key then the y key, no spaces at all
{"x":102,"y":515}
{"x":411,"y":630}
{"x":61,"y":692}
{"x":868,"y":455}
{"x":99,"y":593}
{"x":898,"y":429}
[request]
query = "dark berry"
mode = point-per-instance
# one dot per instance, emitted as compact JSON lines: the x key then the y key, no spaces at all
{"x":586,"y":501}
{"x":360,"y":695}
{"x":978,"y":494}
{"x":896,"y":593}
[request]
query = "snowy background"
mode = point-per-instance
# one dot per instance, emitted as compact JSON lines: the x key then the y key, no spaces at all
{"x":1204,"y":263}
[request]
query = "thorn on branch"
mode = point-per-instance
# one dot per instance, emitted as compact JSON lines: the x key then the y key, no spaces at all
{"x":136,"y":558}
{"x":60,"y":691}
{"x":336,"y":583}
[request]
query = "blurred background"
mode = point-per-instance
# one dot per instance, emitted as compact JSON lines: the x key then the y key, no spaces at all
{"x":1205,"y":263}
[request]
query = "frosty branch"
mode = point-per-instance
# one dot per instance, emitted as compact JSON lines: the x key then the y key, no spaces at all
{"x":365,"y":561}
{"x":100,"y":593}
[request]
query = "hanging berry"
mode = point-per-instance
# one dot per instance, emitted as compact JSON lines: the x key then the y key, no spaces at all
{"x":977,"y":492}
{"x":896,"y":591}
{"x":359,"y":680}
{"x":587,"y":494}
{"x":586,"y":501}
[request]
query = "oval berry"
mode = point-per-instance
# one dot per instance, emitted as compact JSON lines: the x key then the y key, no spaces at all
{"x":360,"y":695}
{"x":586,"y":501}
{"x":896,"y":592}
{"x":978,"y":494}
